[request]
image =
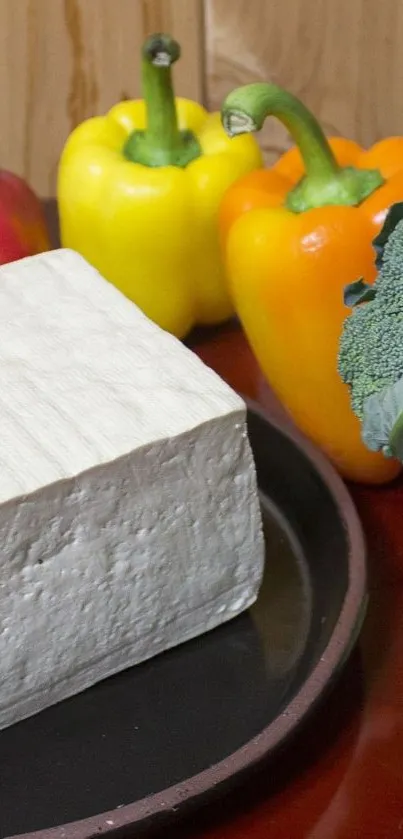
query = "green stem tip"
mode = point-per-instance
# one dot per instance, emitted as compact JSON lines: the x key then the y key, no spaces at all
{"x":162,"y":143}
{"x":382,"y":420}
{"x":161,"y":50}
{"x":325,"y":182}
{"x":396,"y":439}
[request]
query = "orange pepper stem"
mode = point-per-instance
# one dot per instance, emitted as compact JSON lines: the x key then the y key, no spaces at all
{"x":325,"y":182}
{"x":162,"y":143}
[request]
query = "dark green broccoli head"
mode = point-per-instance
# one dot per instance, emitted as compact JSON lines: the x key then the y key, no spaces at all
{"x":370,"y":358}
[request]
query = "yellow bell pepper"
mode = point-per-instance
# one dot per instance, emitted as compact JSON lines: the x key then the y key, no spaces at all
{"x":138,"y":196}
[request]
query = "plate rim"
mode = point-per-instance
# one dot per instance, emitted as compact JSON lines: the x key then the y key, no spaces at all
{"x":282,"y":727}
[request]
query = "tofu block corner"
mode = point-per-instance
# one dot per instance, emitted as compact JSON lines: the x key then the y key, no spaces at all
{"x":129,"y":510}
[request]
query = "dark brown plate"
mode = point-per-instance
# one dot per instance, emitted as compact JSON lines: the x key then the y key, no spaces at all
{"x":167,"y":733}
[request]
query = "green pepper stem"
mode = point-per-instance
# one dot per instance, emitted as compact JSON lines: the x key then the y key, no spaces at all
{"x":325,"y":182}
{"x":162,"y":143}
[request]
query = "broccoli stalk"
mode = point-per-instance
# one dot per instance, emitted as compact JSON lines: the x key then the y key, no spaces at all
{"x":370,"y":357}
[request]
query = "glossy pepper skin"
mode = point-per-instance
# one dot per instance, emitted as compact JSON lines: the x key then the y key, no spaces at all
{"x":139,"y":191}
{"x":294,"y":236}
{"x":23,"y":230}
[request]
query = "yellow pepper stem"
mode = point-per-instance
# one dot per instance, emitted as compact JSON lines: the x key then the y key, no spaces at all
{"x":325,"y":182}
{"x":162,"y":143}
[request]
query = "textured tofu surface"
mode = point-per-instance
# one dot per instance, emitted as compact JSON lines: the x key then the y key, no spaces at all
{"x":129,"y":515}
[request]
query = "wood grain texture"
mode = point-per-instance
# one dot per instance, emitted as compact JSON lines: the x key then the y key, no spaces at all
{"x":344,"y":59}
{"x":64,"y":60}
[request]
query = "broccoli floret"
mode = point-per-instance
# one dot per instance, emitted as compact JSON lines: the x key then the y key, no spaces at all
{"x":370,"y":357}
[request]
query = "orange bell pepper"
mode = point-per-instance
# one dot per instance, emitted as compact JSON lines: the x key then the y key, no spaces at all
{"x":294,"y":236}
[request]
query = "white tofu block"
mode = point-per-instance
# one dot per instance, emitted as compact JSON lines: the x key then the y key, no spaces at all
{"x":129,"y":514}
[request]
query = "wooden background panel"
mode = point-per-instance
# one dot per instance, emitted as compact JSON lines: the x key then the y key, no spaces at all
{"x":342,"y":57}
{"x":64,"y":60}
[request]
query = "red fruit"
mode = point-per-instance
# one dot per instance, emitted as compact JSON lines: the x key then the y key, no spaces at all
{"x":23,"y":230}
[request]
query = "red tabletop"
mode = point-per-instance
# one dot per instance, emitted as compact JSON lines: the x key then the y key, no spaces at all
{"x":342,"y":777}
